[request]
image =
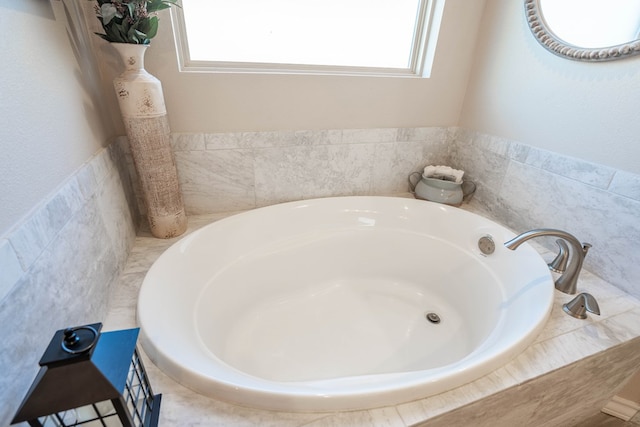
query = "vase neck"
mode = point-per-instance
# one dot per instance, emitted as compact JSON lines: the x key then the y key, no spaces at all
{"x":132,"y":55}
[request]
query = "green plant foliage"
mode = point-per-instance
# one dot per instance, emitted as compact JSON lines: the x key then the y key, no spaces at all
{"x":130,"y":21}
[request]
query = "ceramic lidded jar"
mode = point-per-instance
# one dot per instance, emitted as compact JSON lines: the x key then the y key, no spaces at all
{"x":441,"y":190}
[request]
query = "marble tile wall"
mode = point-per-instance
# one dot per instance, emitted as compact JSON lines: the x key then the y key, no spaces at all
{"x":59,"y":265}
{"x":524,"y":187}
{"x":225,"y":172}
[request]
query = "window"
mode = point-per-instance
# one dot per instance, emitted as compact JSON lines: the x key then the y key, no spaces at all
{"x":373,"y":37}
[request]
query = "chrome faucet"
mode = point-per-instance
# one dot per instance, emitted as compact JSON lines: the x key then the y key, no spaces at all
{"x":568,"y":282}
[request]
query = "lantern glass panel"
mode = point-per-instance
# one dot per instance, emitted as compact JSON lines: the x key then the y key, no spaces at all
{"x":138,"y":394}
{"x":66,"y":418}
{"x":101,"y":414}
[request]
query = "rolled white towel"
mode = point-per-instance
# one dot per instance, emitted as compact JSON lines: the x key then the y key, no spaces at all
{"x":446,"y":173}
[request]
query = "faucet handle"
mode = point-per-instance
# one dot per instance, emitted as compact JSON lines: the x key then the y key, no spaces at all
{"x":579,"y":306}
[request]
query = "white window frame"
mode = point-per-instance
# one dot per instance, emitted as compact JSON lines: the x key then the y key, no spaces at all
{"x":422,"y":52}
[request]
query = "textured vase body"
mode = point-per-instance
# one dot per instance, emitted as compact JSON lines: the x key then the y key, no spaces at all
{"x":145,"y":119}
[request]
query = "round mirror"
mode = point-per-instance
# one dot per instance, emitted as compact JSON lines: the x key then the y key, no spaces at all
{"x":586,"y":30}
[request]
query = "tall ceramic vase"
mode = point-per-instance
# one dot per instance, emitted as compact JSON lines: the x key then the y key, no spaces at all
{"x":145,"y":119}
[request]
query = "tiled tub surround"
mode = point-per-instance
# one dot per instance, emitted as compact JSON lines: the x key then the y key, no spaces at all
{"x":571,"y":370}
{"x":57,"y":267}
{"x":524,"y":187}
{"x":520,"y":186}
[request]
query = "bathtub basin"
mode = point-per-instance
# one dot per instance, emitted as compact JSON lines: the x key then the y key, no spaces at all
{"x":340,"y":304}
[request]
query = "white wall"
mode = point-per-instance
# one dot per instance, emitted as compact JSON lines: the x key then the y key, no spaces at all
{"x":66,"y":226}
{"x":224,"y":102}
{"x":49,"y":124}
{"x":520,"y":91}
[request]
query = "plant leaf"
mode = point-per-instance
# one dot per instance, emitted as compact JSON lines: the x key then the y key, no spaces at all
{"x":108,"y":11}
{"x":132,"y":9}
{"x":156,"y":5}
{"x":104,"y":36}
{"x":113,"y":34}
{"x":131,"y":35}
{"x":152,"y":27}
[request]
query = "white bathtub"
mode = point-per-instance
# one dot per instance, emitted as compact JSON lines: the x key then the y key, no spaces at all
{"x":321,"y":305}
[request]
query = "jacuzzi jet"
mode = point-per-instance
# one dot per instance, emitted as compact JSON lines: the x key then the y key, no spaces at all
{"x":433,"y":318}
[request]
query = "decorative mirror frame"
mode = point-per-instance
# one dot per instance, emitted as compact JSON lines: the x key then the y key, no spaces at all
{"x":552,"y":43}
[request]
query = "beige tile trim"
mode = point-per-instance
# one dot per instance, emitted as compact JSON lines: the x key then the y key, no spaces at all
{"x":621,"y":408}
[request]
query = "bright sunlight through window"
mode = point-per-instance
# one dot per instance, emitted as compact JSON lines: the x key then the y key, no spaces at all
{"x":321,"y":36}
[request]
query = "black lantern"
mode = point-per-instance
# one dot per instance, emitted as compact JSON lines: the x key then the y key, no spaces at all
{"x":90,"y":378}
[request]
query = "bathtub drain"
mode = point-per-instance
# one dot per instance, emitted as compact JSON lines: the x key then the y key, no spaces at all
{"x":433,"y":318}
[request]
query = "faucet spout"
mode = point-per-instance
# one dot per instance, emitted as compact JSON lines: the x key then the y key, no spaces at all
{"x":568,"y":281}
{"x":559,"y":264}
